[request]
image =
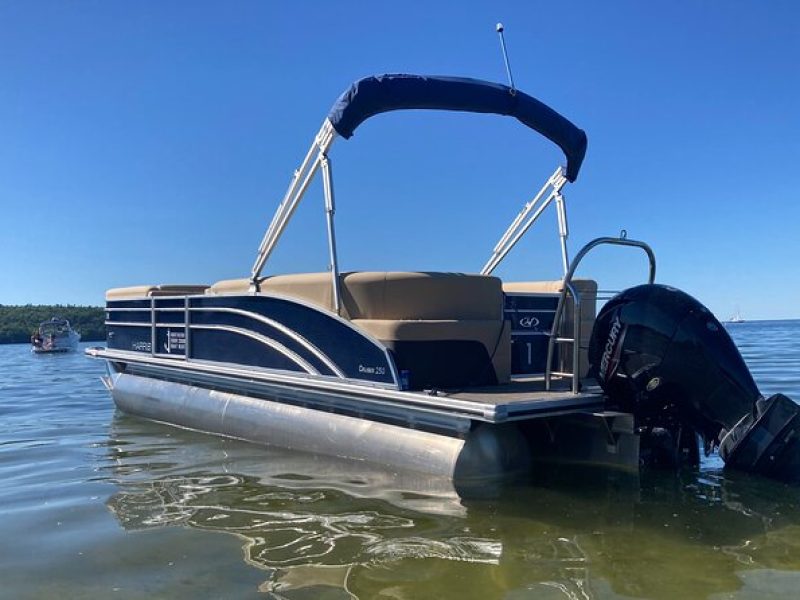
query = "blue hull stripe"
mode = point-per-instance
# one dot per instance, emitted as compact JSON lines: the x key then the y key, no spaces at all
{"x":280,"y":348}
{"x":316,"y":352}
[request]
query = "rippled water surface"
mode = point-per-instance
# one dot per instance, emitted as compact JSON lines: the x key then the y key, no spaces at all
{"x":96,"y":504}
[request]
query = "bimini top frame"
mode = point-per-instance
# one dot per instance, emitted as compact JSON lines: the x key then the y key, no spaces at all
{"x":374,"y":95}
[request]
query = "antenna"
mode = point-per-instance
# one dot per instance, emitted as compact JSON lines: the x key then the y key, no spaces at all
{"x":499,"y":29}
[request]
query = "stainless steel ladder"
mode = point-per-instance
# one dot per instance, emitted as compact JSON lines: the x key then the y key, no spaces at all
{"x":567,"y":288}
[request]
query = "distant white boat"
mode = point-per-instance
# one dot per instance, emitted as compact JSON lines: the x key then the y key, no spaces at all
{"x":55,"y":335}
{"x":736,"y":317}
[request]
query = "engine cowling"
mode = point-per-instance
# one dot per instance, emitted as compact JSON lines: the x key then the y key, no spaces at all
{"x":663,"y":356}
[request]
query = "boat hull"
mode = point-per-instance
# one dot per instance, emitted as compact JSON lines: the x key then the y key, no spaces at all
{"x":62,"y":343}
{"x":485,"y":452}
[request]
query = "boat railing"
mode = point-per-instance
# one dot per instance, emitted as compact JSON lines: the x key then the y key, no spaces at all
{"x":568,"y":289}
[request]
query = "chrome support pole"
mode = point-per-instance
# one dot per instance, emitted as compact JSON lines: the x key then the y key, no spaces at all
{"x":287,"y":196}
{"x":548,"y":375}
{"x":297,"y":188}
{"x":282,"y":219}
{"x":563,"y":229}
{"x":286,"y":204}
{"x":330,"y":210}
{"x":186,"y":327}
{"x":576,"y":345}
{"x":521,"y":231}
{"x":153,"y":336}
{"x":522,"y":214}
{"x":525,"y":219}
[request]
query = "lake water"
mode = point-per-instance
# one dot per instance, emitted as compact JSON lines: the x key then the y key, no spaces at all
{"x":97,"y":504}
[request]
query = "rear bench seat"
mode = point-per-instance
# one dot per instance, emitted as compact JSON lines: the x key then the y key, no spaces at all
{"x":445,"y":329}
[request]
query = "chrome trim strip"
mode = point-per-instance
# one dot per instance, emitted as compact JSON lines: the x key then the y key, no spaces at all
{"x":143,"y":324}
{"x":532,"y":294}
{"x":280,"y":327}
{"x":171,"y":357}
{"x":292,"y":356}
{"x":157,"y":308}
{"x":140,"y":298}
{"x":522,"y":332}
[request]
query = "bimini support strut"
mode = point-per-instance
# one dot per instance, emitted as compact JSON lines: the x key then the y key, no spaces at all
{"x":563,"y":228}
{"x":330,"y":209}
{"x":528,"y":216}
{"x":302,"y":178}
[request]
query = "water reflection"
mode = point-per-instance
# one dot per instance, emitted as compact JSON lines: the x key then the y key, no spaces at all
{"x":324,"y":528}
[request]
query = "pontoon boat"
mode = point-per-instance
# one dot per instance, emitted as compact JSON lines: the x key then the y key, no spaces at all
{"x":453,"y":374}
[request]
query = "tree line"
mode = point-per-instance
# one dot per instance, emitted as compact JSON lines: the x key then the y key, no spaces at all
{"x":17,"y":323}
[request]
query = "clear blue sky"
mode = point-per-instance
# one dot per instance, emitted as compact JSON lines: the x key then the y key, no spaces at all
{"x":149,"y":142}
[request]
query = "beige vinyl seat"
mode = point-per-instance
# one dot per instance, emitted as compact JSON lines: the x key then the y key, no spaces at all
{"x":445,"y":329}
{"x":149,"y":291}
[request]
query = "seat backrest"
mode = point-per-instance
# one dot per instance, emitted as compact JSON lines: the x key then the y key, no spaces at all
{"x":146,"y":291}
{"x":387,"y":295}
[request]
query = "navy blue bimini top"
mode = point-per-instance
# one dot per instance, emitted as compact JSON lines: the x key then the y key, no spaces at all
{"x":381,"y":93}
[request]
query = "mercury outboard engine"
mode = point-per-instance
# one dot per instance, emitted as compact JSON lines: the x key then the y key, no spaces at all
{"x":661,"y":355}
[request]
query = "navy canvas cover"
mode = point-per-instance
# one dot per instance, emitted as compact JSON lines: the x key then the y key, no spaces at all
{"x":381,"y":93}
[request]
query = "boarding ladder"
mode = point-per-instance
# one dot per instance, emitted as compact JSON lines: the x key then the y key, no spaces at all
{"x":557,"y":334}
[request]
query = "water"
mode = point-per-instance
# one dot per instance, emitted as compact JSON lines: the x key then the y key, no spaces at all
{"x":96,"y":504}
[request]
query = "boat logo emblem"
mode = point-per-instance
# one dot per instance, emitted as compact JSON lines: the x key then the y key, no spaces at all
{"x":529,"y":322}
{"x":612,"y":351}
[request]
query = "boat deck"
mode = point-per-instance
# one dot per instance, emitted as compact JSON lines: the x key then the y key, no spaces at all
{"x":528,"y":398}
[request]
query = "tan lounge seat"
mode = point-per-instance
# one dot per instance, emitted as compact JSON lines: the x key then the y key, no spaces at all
{"x":447,"y":329}
{"x":147,"y":291}
{"x":444,"y":353}
{"x":386,"y":295}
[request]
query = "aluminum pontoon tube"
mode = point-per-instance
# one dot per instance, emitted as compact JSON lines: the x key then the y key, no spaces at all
{"x":487,"y":451}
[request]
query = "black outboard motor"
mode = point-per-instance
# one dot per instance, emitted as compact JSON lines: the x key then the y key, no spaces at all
{"x":661,"y":355}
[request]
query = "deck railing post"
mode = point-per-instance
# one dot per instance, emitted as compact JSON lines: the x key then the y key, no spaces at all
{"x":186,"y":328}
{"x":152,"y":326}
